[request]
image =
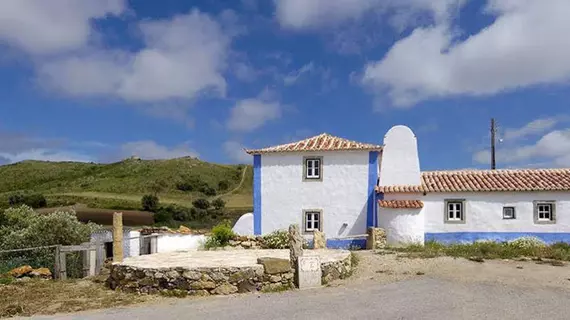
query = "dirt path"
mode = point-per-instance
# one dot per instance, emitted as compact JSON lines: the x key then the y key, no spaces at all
{"x":385,"y":268}
{"x":244,"y":171}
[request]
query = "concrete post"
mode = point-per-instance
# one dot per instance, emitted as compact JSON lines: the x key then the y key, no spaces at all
{"x":118,"y":237}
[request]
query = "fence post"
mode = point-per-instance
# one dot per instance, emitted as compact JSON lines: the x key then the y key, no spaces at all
{"x":57,"y":266}
{"x":62,"y":265}
{"x":117,"y":237}
{"x":99,"y":259}
{"x":154,"y":243}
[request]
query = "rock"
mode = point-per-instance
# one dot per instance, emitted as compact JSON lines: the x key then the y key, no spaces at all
{"x":476,"y":259}
{"x":225,"y":289}
{"x":274,"y":265}
{"x":275,"y":278}
{"x":296,"y":242}
{"x":24,"y":279}
{"x":287,"y":276}
{"x":420,"y":273}
{"x":20,"y":272}
{"x":557,"y":263}
{"x":234,"y":243}
{"x":203,"y":285}
{"x":185,"y":230}
{"x":376,"y":238}
{"x":246,"y":286}
{"x":319,"y":241}
{"x":218,"y":277}
{"x":44,"y":273}
{"x":246,"y":244}
{"x":200,"y":293}
{"x":241,"y":275}
{"x":192,"y":275}
{"x":172,"y":274}
{"x":519,"y":267}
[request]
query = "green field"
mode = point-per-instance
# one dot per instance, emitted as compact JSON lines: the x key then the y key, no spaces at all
{"x":121,"y":185}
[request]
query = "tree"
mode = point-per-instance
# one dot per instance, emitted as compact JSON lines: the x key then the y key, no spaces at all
{"x":223,"y":185}
{"x":218,"y":203}
{"x":158,"y":186}
{"x":150,"y":202}
{"x":201,"y":204}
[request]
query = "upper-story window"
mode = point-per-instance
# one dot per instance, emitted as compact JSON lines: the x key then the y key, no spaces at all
{"x":312,"y":168}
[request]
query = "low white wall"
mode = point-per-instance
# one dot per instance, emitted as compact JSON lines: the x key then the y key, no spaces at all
{"x":244,"y":225}
{"x":403,"y":226}
{"x":179,"y":242}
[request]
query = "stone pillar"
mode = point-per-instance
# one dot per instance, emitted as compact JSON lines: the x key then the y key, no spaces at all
{"x":295,"y":249}
{"x":319,"y":241}
{"x":376,"y":238}
{"x":118,"y":237}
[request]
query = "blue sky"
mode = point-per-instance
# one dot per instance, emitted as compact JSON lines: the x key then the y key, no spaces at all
{"x":104,"y":80}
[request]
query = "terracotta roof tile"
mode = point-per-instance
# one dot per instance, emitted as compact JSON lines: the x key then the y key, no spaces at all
{"x":488,"y":180}
{"x":401,"y":204}
{"x":322,"y":142}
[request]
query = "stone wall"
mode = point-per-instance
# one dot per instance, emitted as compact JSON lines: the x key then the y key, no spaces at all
{"x":247,"y":242}
{"x":270,"y":275}
{"x":376,"y":238}
{"x":336,"y":270}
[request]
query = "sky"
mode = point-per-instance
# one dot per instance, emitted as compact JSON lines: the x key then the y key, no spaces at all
{"x":100,"y":81}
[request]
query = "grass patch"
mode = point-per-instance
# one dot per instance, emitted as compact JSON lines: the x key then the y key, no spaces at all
{"x":50,"y":297}
{"x":523,"y":247}
{"x":277,"y":288}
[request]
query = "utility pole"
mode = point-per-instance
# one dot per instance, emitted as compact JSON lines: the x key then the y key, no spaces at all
{"x":493,"y":131}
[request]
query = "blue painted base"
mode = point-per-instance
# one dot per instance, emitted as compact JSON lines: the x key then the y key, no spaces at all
{"x":359,"y":243}
{"x":470,"y":237}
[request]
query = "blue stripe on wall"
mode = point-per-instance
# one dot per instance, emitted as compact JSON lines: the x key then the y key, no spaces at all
{"x":257,"y":194}
{"x":470,"y":237}
{"x":356,"y":243}
{"x":372,"y":179}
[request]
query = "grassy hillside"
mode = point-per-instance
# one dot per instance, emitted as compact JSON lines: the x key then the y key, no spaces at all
{"x":120,"y":185}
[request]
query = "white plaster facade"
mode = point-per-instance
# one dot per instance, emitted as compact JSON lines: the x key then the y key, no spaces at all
{"x":342,"y":193}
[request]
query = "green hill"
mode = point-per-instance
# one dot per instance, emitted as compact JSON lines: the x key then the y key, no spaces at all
{"x":120,"y":185}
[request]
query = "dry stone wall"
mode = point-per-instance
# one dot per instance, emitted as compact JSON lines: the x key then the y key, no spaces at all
{"x":271,"y":275}
{"x":340,"y":269}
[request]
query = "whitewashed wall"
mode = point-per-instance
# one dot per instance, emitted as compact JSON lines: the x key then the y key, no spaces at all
{"x":342,"y":194}
{"x":244,"y":225}
{"x":179,"y":242}
{"x":403,"y":226}
{"x":484,"y":212}
{"x":400,"y":163}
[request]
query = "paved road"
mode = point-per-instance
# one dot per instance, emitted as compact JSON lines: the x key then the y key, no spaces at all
{"x":420,"y":298}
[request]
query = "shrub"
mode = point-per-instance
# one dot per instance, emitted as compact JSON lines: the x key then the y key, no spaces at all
{"x":218,"y":203}
{"x":172,"y":212}
{"x":184,"y":186}
{"x":527,"y":243}
{"x":198,"y":214}
{"x":163,"y":216}
{"x":34,"y":200}
{"x":221,"y":235}
{"x":23,"y":227}
{"x":208,"y":191}
{"x":223,"y":185}
{"x":201,"y":203}
{"x":150,"y":202}
{"x":278,"y":239}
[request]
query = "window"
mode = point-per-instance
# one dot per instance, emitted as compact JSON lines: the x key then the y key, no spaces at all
{"x":454,"y":211}
{"x":508,"y":212}
{"x":313,"y":168}
{"x":313,"y":220}
{"x":544,"y":212}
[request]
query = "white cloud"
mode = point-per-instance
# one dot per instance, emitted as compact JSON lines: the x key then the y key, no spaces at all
{"x":45,"y":27}
{"x":251,"y":114}
{"x":183,"y":57}
{"x":46,"y":155}
{"x":235,"y":151}
{"x":304,"y":14}
{"x":150,"y":150}
{"x":292,"y":77}
{"x":552,"y":149}
{"x":534,"y":127}
{"x":524,"y":46}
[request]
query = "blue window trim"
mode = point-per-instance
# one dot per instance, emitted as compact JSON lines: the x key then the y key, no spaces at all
{"x":372,"y":180}
{"x":257,"y":194}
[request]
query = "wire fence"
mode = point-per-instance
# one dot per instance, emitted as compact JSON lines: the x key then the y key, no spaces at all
{"x":36,"y":257}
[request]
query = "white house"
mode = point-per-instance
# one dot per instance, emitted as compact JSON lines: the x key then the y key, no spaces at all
{"x":341,"y":187}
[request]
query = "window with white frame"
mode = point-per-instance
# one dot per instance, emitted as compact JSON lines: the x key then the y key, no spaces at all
{"x":508,"y":212}
{"x":313,"y":168}
{"x":313,"y":220}
{"x":454,"y":211}
{"x":544,"y":212}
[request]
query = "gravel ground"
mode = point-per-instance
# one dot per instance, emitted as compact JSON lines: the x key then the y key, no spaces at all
{"x":387,"y":287}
